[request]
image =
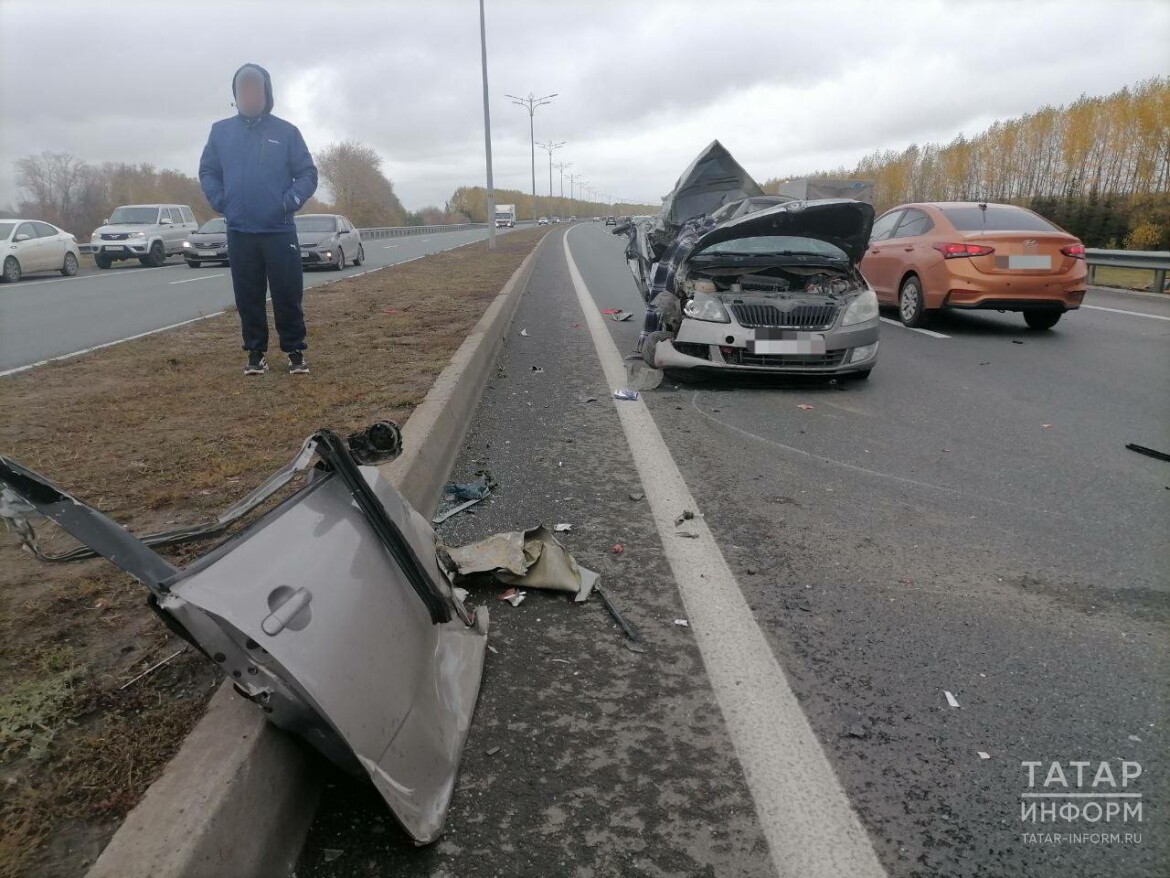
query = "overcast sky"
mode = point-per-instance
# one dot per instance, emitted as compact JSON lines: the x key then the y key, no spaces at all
{"x":788,"y":87}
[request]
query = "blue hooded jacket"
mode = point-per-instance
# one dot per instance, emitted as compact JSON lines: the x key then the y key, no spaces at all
{"x":256,"y":170}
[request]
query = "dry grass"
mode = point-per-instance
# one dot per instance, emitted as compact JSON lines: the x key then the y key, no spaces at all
{"x":157,"y":432}
{"x":1127,"y":278}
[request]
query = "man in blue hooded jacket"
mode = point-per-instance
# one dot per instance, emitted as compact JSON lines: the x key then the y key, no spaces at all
{"x":257,"y":172}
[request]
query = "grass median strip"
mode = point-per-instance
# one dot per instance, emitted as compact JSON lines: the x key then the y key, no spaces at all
{"x":161,"y":431}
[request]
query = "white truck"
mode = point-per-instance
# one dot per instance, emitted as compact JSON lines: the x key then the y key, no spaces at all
{"x":505,"y":216}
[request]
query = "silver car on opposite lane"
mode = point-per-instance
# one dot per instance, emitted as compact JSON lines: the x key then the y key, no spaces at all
{"x":29,"y":246}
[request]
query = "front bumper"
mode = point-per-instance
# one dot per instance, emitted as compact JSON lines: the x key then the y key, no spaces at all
{"x":195,"y":254}
{"x":128,"y":249}
{"x":319,"y":257}
{"x":703,"y":346}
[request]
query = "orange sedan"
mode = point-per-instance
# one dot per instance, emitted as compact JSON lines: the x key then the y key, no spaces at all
{"x":966,"y":254}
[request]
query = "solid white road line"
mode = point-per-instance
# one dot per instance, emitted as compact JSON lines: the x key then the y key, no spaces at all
{"x":811,"y":828}
{"x":929,"y":332}
{"x":13,"y":288}
{"x":1129,"y":313}
{"x":108,"y":344}
{"x":192,"y":280}
{"x":390,"y":246}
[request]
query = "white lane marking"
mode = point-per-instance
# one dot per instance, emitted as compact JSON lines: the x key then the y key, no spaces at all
{"x":929,"y":332}
{"x":192,"y":280}
{"x":108,"y":344}
{"x":811,"y":828}
{"x":14,"y":288}
{"x":389,"y":246}
{"x":1130,"y":313}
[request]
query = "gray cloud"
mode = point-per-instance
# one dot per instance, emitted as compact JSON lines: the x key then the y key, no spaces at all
{"x":790,"y":87}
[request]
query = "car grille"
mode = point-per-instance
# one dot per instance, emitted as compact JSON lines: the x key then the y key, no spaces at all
{"x":115,"y":236}
{"x":308,"y":246}
{"x":209,"y":245}
{"x":797,"y":317}
{"x":829,"y":359}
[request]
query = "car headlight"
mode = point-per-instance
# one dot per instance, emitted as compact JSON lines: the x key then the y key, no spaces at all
{"x":704,"y":307}
{"x":138,"y":234}
{"x":187,"y":244}
{"x":864,"y":307}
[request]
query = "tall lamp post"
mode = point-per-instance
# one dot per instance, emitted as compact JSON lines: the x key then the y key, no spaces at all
{"x":550,"y":147}
{"x":572,"y":179}
{"x":530,"y":103}
{"x":487,"y":134}
{"x":561,"y":167}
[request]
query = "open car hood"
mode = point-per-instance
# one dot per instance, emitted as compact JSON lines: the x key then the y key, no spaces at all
{"x":838,"y":221}
{"x":331,"y":612}
{"x":710,"y":181}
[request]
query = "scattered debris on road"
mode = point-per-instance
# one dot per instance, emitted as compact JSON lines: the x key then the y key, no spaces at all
{"x":687,"y":515}
{"x":491,"y":751}
{"x":524,"y":332}
{"x":617,"y":549}
{"x":625,"y":394}
{"x":563,"y":527}
{"x":630,"y":631}
{"x":537,"y":369}
{"x":155,"y":667}
{"x":460,"y":496}
{"x":682,"y":623}
{"x":513,"y":596}
{"x":532,"y":558}
{"x":622,"y":318}
{"x":951,"y":700}
{"x":803,"y":406}
{"x":983,"y":755}
{"x":636,"y":495}
{"x":1149,"y":452}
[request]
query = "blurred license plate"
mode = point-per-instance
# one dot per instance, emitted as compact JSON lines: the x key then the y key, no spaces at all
{"x":1032,"y":263}
{"x":779,"y":341}
{"x":115,"y":247}
{"x":205,"y":252}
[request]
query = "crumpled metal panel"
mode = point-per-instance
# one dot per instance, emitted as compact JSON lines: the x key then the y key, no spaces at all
{"x":312,"y":614}
{"x":713,"y":179}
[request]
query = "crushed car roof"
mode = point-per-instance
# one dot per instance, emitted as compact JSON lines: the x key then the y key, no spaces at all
{"x":713,"y":179}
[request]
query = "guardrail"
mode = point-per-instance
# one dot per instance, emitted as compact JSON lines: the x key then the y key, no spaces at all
{"x":1157,"y":261}
{"x":387,"y":231}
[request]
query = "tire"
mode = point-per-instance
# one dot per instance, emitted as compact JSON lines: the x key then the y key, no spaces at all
{"x":1041,"y":320}
{"x":102,"y":260}
{"x":340,"y":266}
{"x":191,"y":264}
{"x":69,"y":269}
{"x":361,"y":256}
{"x":912,"y":303}
{"x":11,"y":271}
{"x":157,"y":257}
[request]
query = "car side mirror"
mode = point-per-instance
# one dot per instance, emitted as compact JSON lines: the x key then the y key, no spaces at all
{"x":166,"y":221}
{"x":21,"y":237}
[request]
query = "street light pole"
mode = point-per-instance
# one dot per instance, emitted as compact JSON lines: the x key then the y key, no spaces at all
{"x":487,"y":134}
{"x":561,"y":167}
{"x":550,"y":147}
{"x":572,"y":198}
{"x":530,"y":103}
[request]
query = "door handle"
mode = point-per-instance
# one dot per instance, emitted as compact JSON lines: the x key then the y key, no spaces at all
{"x":907,"y":249}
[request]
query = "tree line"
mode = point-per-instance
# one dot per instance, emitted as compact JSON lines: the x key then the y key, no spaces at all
{"x":471,"y":202}
{"x":1099,"y":167}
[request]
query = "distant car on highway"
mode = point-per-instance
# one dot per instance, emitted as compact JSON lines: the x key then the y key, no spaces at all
{"x":209,"y":244}
{"x":146,"y":232}
{"x":597,"y":219}
{"x":543,"y":221}
{"x":611,"y":220}
{"x":328,"y":240}
{"x":29,"y":246}
{"x":969,"y":255}
{"x":556,"y":219}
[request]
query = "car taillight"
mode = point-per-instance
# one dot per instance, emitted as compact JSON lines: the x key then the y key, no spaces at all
{"x":1076,"y":251}
{"x":954,"y":251}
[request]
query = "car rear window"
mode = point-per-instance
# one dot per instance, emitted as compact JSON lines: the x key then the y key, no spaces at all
{"x":999,"y":219}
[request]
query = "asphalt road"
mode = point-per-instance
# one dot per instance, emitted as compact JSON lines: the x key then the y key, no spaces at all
{"x":49,"y":316}
{"x":958,"y":565}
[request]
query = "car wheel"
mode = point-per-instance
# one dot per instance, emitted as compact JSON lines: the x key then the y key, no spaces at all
{"x":11,"y":270}
{"x":158,"y":256}
{"x":191,"y":264}
{"x":102,"y":260}
{"x":911,"y":302}
{"x":70,"y":267}
{"x":340,"y":266}
{"x":1042,"y":319}
{"x":361,"y":256}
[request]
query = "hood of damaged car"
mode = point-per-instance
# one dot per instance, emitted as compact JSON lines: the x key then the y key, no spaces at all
{"x":713,"y":179}
{"x":844,"y":223}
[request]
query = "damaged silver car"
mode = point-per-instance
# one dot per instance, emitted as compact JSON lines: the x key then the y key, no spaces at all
{"x":331,"y":612}
{"x":739,"y":281}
